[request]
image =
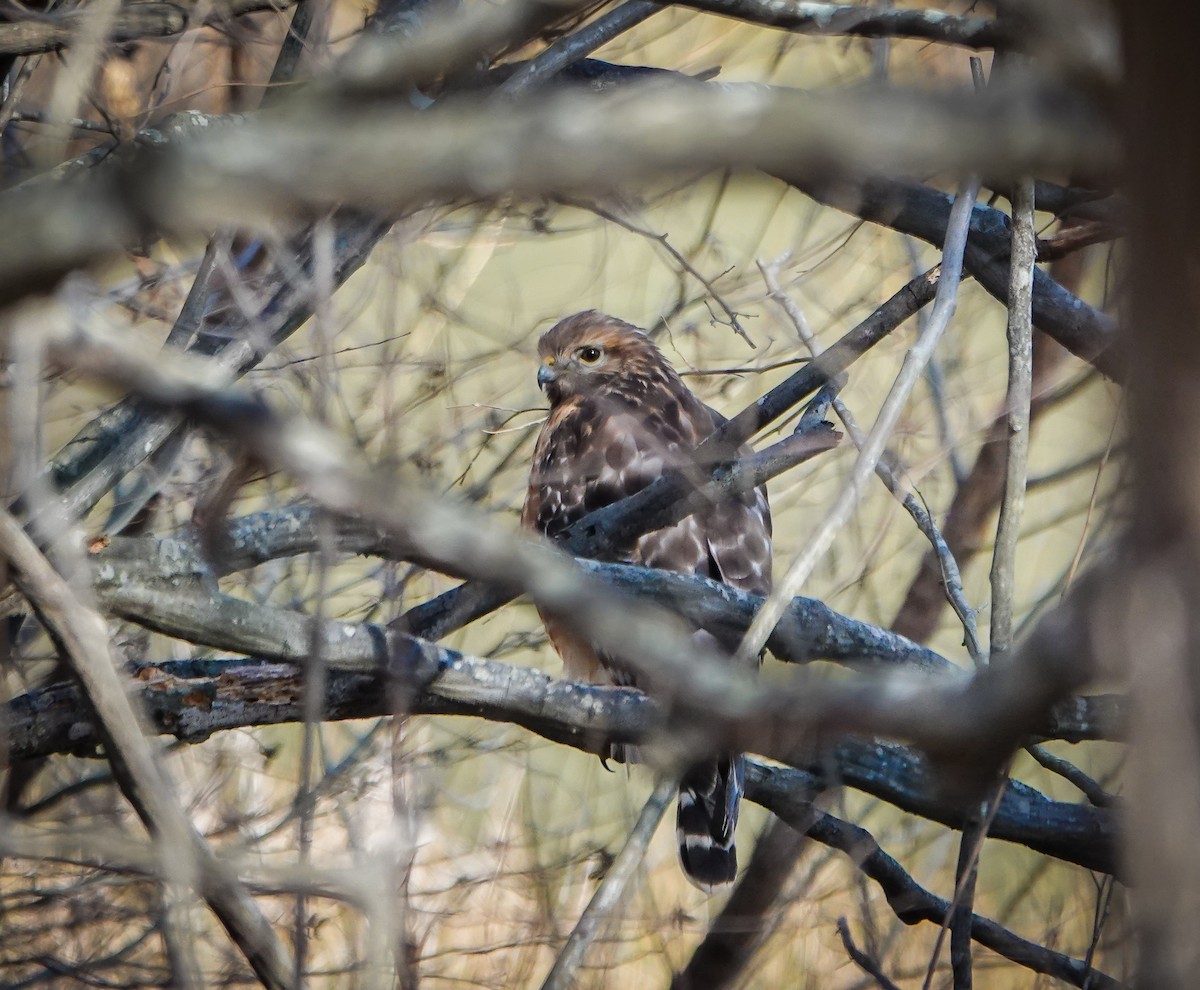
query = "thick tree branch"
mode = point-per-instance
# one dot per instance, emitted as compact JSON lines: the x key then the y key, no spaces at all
{"x":912,"y":208}
{"x":192,"y":699}
{"x":862,"y":21}
{"x":149,"y":580}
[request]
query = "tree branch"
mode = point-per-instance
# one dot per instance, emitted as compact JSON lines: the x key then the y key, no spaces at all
{"x":192,"y":699}
{"x":405,"y":157}
{"x":46,"y":32}
{"x":859,"y":20}
{"x":912,"y":903}
{"x":923,"y":212}
{"x":608,"y":893}
{"x":84,"y":639}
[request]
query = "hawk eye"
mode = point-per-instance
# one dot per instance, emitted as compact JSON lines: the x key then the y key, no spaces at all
{"x":589,"y":355}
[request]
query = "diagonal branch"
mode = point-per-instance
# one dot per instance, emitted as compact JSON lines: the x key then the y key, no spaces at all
{"x":610,"y":890}
{"x":912,"y":903}
{"x":577,"y":45}
{"x":83,"y":636}
{"x":912,"y":208}
{"x":872,"y":449}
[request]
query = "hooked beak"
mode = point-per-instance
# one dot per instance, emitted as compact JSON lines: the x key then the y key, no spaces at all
{"x":545,"y":376}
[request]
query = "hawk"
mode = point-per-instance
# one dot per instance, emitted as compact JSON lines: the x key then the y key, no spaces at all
{"x":619,"y":417}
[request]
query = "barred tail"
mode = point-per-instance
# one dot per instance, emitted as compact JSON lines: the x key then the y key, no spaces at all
{"x":709,"y":796}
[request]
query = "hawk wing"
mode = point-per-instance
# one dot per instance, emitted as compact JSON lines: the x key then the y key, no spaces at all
{"x":597,"y":450}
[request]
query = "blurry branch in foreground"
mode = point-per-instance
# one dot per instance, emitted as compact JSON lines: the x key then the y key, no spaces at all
{"x":199,"y":172}
{"x":82,"y":636}
{"x":192,"y":699}
{"x":101,"y":212}
{"x":609,"y":890}
{"x":28,"y":32}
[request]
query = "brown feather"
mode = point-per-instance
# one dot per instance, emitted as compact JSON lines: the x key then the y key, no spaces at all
{"x":620,"y":416}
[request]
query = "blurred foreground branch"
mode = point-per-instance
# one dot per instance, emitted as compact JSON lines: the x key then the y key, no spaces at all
{"x":83,"y":637}
{"x":200,"y":172}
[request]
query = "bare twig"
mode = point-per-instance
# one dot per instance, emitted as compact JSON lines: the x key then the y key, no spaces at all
{"x":974,"y":501}
{"x":862,"y":960}
{"x":570,"y":48}
{"x":959,"y":914}
{"x":1096,"y":794}
{"x":804,"y":563}
{"x":664,"y":241}
{"x":150,"y":580}
{"x":1017,"y":403}
{"x":888,"y":468}
{"x":611,"y":889}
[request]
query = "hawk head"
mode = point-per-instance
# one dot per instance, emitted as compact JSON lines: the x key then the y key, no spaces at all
{"x":590,"y":352}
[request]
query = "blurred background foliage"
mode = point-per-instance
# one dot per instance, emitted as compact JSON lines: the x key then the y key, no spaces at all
{"x":425,"y":360}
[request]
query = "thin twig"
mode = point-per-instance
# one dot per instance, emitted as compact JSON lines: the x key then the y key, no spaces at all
{"x":664,"y":241}
{"x":862,"y":960}
{"x":970,"y":846}
{"x":1096,"y":794}
{"x":889,"y":469}
{"x":914,"y":362}
{"x":1020,"y":395}
{"x":610,"y":890}
{"x":570,"y":48}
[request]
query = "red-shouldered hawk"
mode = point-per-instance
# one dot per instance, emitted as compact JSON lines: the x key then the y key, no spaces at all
{"x":619,"y":417}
